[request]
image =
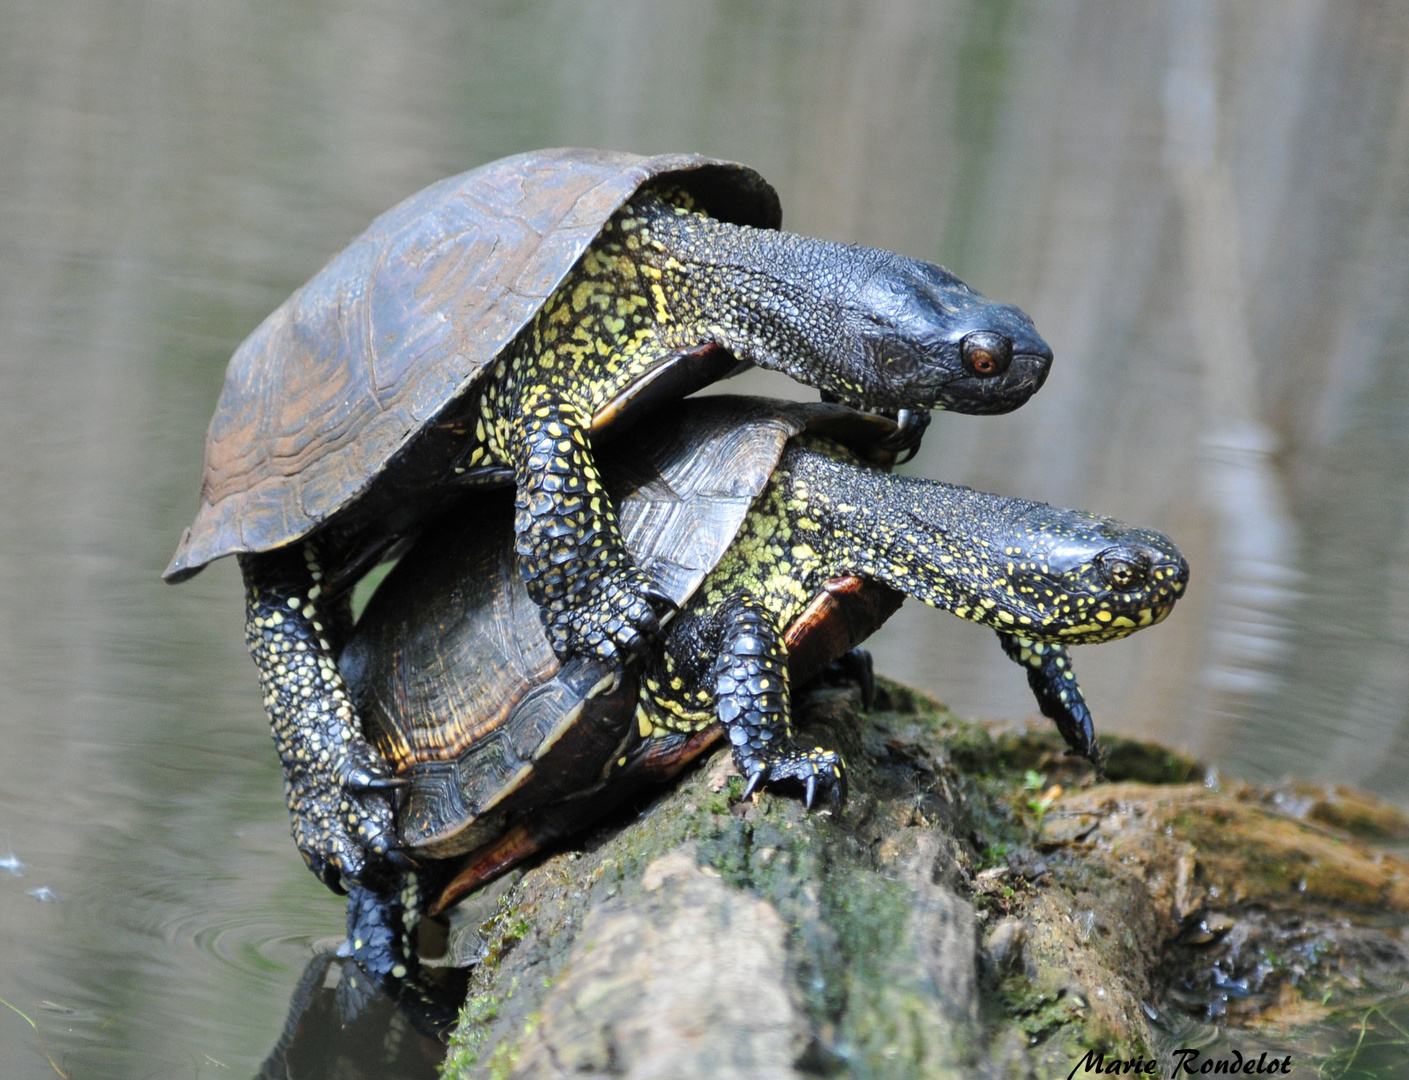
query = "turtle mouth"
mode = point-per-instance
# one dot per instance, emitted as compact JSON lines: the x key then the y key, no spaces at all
{"x":1157,"y":613}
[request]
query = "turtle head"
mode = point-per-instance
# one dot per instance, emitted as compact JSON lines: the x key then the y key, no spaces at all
{"x":915,"y":336}
{"x":1024,"y":568}
{"x":1077,"y":578}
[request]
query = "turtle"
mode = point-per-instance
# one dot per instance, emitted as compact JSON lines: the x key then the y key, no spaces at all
{"x":783,"y":545}
{"x":486,"y":331}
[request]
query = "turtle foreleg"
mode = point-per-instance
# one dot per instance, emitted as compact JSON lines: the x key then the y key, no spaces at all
{"x":335,"y":782}
{"x":1053,"y":682}
{"x":592,"y":598}
{"x":752,"y":701}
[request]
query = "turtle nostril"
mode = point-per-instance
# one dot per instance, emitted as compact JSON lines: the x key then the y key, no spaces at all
{"x":985,"y":354}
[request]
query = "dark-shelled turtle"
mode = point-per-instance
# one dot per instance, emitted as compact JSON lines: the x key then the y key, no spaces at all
{"x":782,"y":549}
{"x":482,"y":332}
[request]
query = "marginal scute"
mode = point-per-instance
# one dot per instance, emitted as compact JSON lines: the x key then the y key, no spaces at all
{"x":338,"y":379}
{"x":450,"y":669}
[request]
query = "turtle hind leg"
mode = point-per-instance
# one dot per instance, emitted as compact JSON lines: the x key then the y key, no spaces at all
{"x":753,"y":703}
{"x":592,"y":598}
{"x":382,"y":926}
{"x":1053,"y":682}
{"x":335,"y":783}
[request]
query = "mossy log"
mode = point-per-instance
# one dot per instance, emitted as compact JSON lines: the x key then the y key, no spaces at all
{"x":980,"y":908}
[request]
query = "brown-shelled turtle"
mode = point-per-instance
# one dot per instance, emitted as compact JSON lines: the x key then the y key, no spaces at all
{"x":782,"y":549}
{"x":483,"y":331}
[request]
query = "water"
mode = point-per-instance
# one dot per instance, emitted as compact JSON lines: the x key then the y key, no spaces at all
{"x":1203,"y":205}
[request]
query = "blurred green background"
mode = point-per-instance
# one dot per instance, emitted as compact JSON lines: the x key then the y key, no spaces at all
{"x":1204,"y":205}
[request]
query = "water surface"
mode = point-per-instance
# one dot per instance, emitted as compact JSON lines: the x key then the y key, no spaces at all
{"x":1205,"y":206}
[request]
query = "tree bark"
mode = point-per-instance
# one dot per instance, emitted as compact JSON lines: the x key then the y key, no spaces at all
{"x":980,"y":908}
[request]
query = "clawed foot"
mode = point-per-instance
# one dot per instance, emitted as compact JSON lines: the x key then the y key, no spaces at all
{"x":1093,"y":753}
{"x":344,"y":824}
{"x":910,"y":427}
{"x":617,"y":618}
{"x":909,"y":430}
{"x":816,"y":769}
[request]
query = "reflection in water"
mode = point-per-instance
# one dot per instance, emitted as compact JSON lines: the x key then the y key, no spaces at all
{"x":341,"y":1028}
{"x":1204,"y":205}
{"x":1254,"y":533}
{"x":1368,"y":1040}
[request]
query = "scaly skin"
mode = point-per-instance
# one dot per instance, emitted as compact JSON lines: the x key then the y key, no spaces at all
{"x":1043,"y":578}
{"x":866,"y":326}
{"x":661,"y":278}
{"x":334,"y":781}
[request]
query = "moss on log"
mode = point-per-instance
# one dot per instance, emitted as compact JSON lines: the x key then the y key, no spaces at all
{"x":980,"y":908}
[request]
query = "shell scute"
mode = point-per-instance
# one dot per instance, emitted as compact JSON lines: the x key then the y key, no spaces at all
{"x":478,"y":694}
{"x":354,"y":365}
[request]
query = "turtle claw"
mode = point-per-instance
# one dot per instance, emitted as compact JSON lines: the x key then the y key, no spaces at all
{"x":402,"y":861}
{"x":910,"y":425}
{"x":363,"y":779}
{"x":1092,"y":753}
{"x":630,"y":642}
{"x":837,"y":793}
{"x":856,"y":667}
{"x":663,"y":604}
{"x":813,"y":769}
{"x":754,"y":779}
{"x":326,"y":872}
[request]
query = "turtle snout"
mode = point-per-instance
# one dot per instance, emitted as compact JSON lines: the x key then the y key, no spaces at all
{"x":998,"y":376}
{"x":1149,"y":564}
{"x":1172,"y":572}
{"x":1035,"y":356}
{"x":1168,"y":577}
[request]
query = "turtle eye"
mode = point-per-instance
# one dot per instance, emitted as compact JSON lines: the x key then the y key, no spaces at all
{"x":985,"y":353}
{"x":1119,"y":573}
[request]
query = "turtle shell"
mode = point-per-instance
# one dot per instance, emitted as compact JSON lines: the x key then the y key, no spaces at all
{"x":449,"y":666}
{"x":345,"y":373}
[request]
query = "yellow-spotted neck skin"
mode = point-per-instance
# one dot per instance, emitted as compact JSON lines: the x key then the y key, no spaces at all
{"x":1037,"y":571}
{"x":1042,"y":577}
{"x":661,"y":280}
